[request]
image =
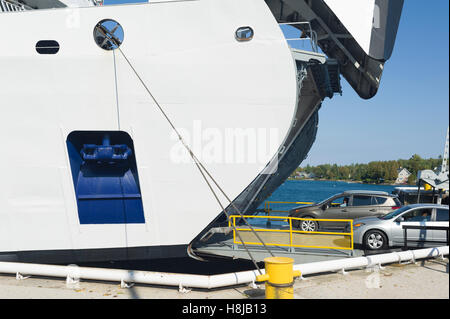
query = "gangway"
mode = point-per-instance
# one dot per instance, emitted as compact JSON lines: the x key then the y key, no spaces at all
{"x":282,"y":238}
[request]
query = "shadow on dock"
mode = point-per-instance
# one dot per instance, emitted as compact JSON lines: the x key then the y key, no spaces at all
{"x":185,"y":265}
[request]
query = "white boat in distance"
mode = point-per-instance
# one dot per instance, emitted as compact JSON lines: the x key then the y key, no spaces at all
{"x":91,"y":169}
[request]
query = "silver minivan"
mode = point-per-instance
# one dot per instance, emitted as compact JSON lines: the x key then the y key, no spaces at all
{"x":377,"y":233}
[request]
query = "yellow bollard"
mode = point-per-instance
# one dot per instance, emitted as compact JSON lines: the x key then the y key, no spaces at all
{"x":279,"y":277}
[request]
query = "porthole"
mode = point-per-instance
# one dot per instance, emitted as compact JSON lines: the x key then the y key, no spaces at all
{"x":108,"y":34}
{"x":244,"y":34}
{"x":47,"y":47}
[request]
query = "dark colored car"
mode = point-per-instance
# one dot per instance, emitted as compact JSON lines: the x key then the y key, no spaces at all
{"x":347,"y":205}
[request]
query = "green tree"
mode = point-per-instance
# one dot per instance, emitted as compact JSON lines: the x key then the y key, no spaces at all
{"x":412,"y":179}
{"x":374,"y":171}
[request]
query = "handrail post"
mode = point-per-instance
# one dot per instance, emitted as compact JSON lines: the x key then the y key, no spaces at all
{"x":268,"y":223}
{"x":234,"y":230}
{"x":351,"y":236}
{"x":405,"y":240}
{"x":291,"y":247}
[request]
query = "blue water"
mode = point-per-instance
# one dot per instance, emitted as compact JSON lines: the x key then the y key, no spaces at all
{"x":315,"y":191}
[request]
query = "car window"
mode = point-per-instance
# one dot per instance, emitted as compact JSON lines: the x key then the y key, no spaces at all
{"x":340,"y":201}
{"x":397,"y":201}
{"x":327,"y":201}
{"x":359,"y":200}
{"x":442,"y":215}
{"x":395,"y":213}
{"x":377,"y":200}
{"x":417,"y":215}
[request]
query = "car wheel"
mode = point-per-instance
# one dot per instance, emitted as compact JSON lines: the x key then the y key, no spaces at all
{"x":375,"y":240}
{"x":308,"y":225}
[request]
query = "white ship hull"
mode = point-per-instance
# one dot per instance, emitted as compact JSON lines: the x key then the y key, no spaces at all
{"x":187,"y":54}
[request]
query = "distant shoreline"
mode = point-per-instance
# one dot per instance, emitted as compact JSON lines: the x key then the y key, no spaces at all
{"x":346,"y":181}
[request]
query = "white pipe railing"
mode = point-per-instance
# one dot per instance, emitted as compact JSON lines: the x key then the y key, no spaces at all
{"x":212,"y":281}
{"x":370,"y":261}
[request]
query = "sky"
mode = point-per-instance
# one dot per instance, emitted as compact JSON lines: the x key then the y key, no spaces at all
{"x":410,"y":113}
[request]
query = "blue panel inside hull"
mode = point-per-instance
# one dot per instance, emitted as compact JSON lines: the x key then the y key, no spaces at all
{"x":105,"y":178}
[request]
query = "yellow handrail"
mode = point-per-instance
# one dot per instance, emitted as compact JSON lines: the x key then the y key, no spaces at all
{"x":291,"y":231}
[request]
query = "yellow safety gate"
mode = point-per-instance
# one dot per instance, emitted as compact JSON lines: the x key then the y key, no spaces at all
{"x":293,"y":237}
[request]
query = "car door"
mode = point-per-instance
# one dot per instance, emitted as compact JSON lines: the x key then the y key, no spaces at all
{"x":336,"y":210}
{"x":414,"y":217}
{"x":362,"y":206}
{"x":440,"y":219}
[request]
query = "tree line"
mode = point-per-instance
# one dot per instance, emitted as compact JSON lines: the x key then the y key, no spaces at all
{"x":373,"y":172}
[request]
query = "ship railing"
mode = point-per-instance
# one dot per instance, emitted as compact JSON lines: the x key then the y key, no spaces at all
{"x":12,"y":5}
{"x":282,"y":233}
{"x":311,"y":37}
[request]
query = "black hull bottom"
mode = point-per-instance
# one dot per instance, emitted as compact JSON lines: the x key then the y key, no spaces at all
{"x":95,"y":255}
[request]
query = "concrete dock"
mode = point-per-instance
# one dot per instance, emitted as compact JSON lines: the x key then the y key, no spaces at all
{"x":427,"y":279}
